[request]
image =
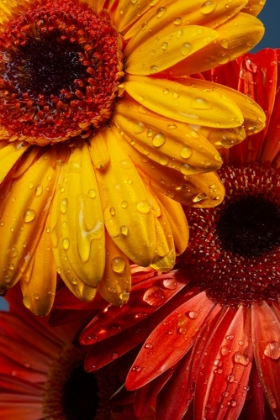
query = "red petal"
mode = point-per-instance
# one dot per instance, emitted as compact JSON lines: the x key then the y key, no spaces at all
{"x":266,"y":344}
{"x":147,"y":297}
{"x":255,"y":403}
{"x":175,"y":398}
{"x":170,"y":341}
{"x":147,"y":395}
{"x":225,"y":367}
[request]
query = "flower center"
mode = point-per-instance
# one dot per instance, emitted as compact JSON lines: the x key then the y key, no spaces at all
{"x":60,"y":65}
{"x":73,"y":394}
{"x":234,"y":250}
{"x":250,"y":226}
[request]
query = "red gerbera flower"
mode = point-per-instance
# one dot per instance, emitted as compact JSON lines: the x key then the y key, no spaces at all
{"x":42,"y":375}
{"x":208,"y":335}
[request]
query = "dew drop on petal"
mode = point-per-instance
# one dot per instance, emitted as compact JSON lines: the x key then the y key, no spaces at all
{"x":170,"y":284}
{"x":148,"y":345}
{"x":160,"y":12}
{"x":200,"y":103}
{"x":115,"y":355}
{"x":164,"y":46}
{"x":92,"y":193}
{"x":192,"y":314}
{"x":29,"y":215}
{"x":38,"y":190}
{"x":66,"y":243}
{"x":63,"y":207}
{"x":186,"y":152}
{"x":138,"y":127}
{"x":177,"y":21}
{"x":124,"y":204}
{"x":186,"y":49}
{"x":14,"y":252}
{"x":241,"y":359}
{"x":224,"y":350}
{"x":143,"y":207}
{"x":118,"y":264}
{"x":208,"y":7}
{"x":154,"y":296}
{"x":124,"y":230}
{"x":272,"y":350}
{"x":158,"y":140}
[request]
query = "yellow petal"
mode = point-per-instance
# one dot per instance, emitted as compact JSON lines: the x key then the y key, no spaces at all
{"x":254,"y":6}
{"x":177,"y":221}
{"x":77,"y":222}
{"x":254,"y":116}
{"x":170,"y":143}
{"x":38,"y":282}
{"x":116,"y":283}
{"x":168,"y":47}
{"x":175,"y":14}
{"x":236,"y":37}
{"x":189,"y":104}
{"x":128,"y":11}
{"x":127,"y":211}
{"x":205,"y":189}
{"x":98,"y":150}
{"x":9,"y":155}
{"x":23,"y":212}
{"x":223,"y":137}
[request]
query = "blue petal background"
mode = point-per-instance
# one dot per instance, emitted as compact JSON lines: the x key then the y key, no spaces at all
{"x":270,"y":17}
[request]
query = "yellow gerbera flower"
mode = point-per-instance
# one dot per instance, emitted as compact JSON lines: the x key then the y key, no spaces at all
{"x":100,"y":126}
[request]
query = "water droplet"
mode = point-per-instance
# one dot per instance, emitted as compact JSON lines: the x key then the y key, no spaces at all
{"x":36,"y":296}
{"x":124,"y":230}
{"x":175,"y":95}
{"x":186,"y":152}
{"x":224,"y":43}
{"x":272,"y":350}
{"x":124,"y":204}
{"x":160,"y":12}
{"x":30,"y":185}
{"x":118,"y":264}
{"x":159,"y":140}
{"x":14,"y":252}
{"x":230,"y":378}
{"x":224,"y":351}
{"x":182,"y":330}
{"x":136,"y":369}
{"x":92,"y":193}
{"x":186,"y":49}
{"x":165,"y":91}
{"x":74,"y":280}
{"x":66,"y":243}
{"x":112,"y":211}
{"x":170,"y":284}
{"x":138,"y":127}
{"x":11,"y":266}
{"x":154,"y":69}
{"x":199,"y":197}
{"x":177,"y":21}
{"x":179,"y":33}
{"x":38,"y":190}
{"x":29,"y":216}
{"x":192,"y":314}
{"x":148,"y":345}
{"x":63,"y":205}
{"x":143,"y":207}
{"x":154,"y":296}
{"x":124,"y":297}
{"x":164,"y":46}
{"x":241,"y":359}
{"x":208,"y":7}
{"x":200,"y":103}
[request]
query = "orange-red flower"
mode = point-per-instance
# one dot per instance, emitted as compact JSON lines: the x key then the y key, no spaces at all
{"x":42,"y":375}
{"x":208,"y":333}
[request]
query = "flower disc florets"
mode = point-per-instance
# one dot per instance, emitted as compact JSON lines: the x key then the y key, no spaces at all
{"x":60,"y":64}
{"x":234,"y":249}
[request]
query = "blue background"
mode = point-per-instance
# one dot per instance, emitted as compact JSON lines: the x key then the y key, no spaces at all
{"x":270,"y":16}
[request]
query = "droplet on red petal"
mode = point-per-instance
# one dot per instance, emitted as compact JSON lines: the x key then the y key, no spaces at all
{"x":272,"y":350}
{"x":154,"y":296}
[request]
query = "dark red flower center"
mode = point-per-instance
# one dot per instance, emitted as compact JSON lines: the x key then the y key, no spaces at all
{"x":60,"y":65}
{"x":70,"y":393}
{"x":234,"y":249}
